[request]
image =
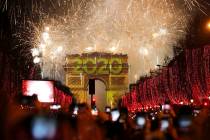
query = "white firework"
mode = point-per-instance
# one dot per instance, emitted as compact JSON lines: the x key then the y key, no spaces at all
{"x":146,"y":30}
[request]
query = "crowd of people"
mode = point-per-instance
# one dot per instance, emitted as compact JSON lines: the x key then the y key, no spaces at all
{"x":81,"y":122}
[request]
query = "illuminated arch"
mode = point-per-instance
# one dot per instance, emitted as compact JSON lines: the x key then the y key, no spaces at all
{"x":77,"y":76}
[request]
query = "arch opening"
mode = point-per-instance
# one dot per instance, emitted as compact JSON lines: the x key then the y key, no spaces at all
{"x":100,"y":94}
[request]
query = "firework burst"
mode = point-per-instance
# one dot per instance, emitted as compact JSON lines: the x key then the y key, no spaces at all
{"x":146,"y":30}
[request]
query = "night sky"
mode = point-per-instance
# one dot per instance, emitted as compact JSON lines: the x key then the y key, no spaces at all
{"x":17,"y":15}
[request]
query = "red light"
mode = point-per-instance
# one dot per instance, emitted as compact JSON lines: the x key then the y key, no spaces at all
{"x":205,"y":104}
{"x":93,"y":102}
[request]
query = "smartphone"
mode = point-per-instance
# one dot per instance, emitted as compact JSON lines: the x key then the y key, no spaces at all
{"x":166,"y":107}
{"x":108,"y":109}
{"x":164,"y":124}
{"x":115,"y":114}
{"x":75,"y":112}
{"x":196,"y":112}
{"x":185,"y":122}
{"x":140,"y":121}
{"x":94,"y":111}
{"x":55,"y":107}
{"x":27,"y":101}
{"x":43,"y":128}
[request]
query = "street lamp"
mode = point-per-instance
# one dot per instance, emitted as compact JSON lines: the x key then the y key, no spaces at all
{"x":208,"y":25}
{"x":191,"y":100}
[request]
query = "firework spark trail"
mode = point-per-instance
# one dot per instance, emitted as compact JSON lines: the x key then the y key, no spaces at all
{"x":146,"y":30}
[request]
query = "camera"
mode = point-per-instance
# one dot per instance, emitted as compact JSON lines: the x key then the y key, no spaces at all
{"x":107,"y":109}
{"x":94,"y":111}
{"x":166,"y":107}
{"x":115,"y":114}
{"x":184,"y":122}
{"x":140,"y":121}
{"x":164,"y":124}
{"x":43,"y":128}
{"x":55,"y":107}
{"x":75,"y":111}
